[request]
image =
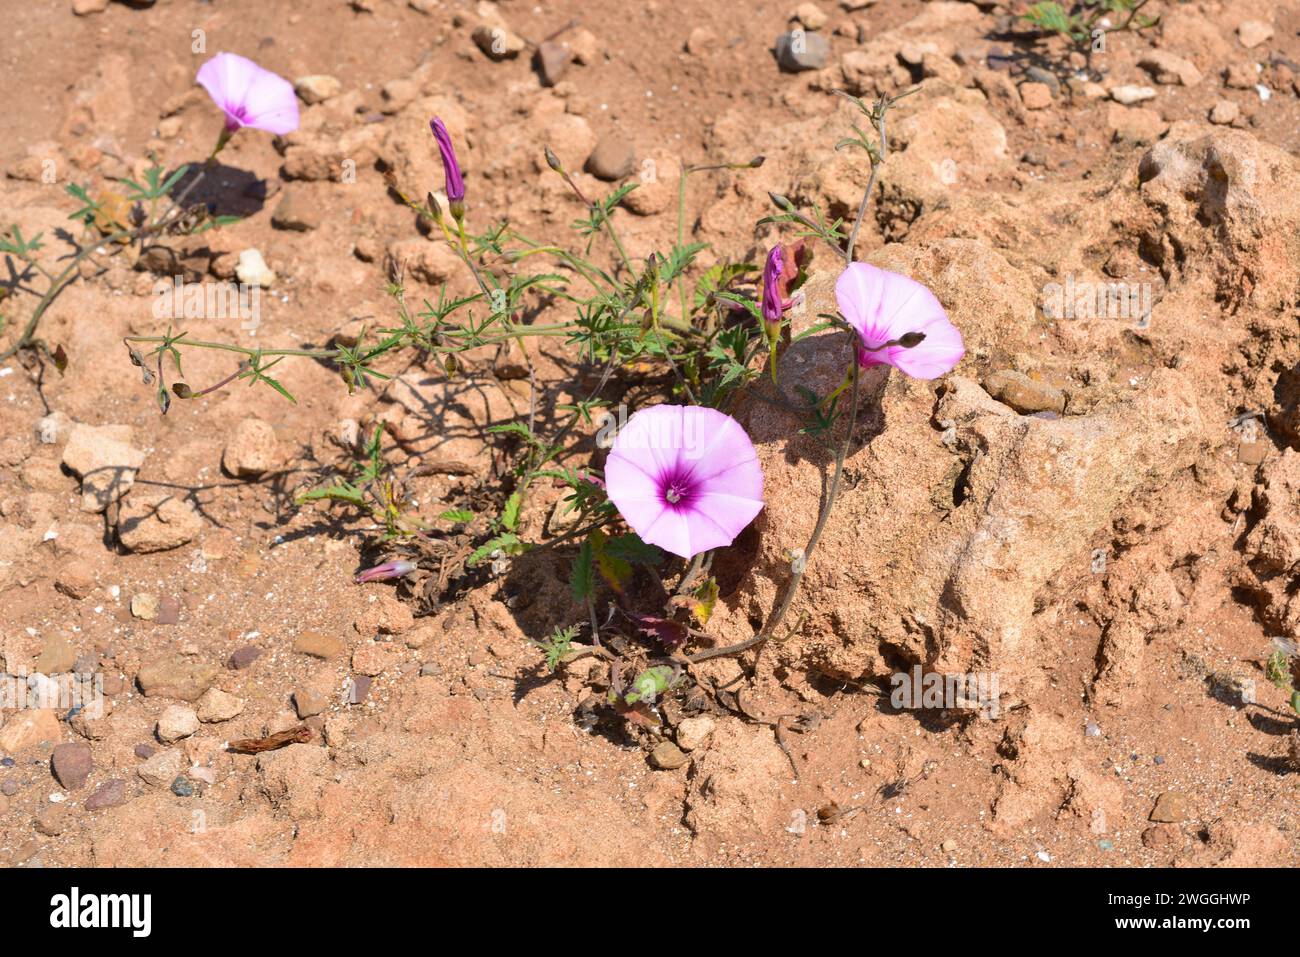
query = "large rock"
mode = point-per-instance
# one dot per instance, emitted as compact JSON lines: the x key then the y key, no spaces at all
{"x":955,"y":514}
{"x":1225,"y":207}
{"x":176,"y":677}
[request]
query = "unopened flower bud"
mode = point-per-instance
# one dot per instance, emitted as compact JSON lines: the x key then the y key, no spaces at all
{"x":781,"y":201}
{"x":552,"y":160}
{"x":182,"y":391}
{"x":387,"y":570}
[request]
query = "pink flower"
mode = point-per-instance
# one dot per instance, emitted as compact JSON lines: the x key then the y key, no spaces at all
{"x":395,"y":569}
{"x":686,"y":478}
{"x":249,"y":95}
{"x":890,"y":312}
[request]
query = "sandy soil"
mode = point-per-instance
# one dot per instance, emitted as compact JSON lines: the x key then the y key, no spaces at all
{"x":1101,"y":512}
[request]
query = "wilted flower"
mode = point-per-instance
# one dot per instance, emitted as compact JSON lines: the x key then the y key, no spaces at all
{"x":900,"y":322}
{"x":397,"y":569}
{"x":455,"y":182}
{"x":686,"y":478}
{"x":249,"y":95}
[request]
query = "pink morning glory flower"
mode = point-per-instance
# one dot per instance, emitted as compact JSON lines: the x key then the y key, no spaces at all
{"x":686,"y":478}
{"x":900,"y":321}
{"x":250,"y":95}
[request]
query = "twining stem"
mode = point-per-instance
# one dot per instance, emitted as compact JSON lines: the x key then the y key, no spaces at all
{"x":871,"y":185}
{"x":800,"y":563}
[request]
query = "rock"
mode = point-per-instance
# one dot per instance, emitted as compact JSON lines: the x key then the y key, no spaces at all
{"x":109,"y":794}
{"x":552,"y":61}
{"x":432,"y":263}
{"x":1164,"y":837}
{"x":84,"y":8}
{"x":398,"y":94}
{"x":694,"y":733}
{"x":700,"y":41}
{"x":57,"y":656}
{"x":310,"y":701}
{"x":938,"y":143}
{"x":797,"y":51}
{"x":810,"y":15}
{"x":948,"y":846}
{"x":666,"y":756}
{"x":1224,"y":112}
{"x":1274,"y":542}
{"x":243,"y":658}
{"x":1129,"y":95}
{"x":657,"y":190}
{"x":585,"y":47}
{"x":612,"y":159}
{"x":251,"y":449}
{"x":76,"y":580}
{"x":1024,"y":394}
{"x":1252,"y":33}
{"x":253,"y":270}
{"x":161,"y":769}
{"x":182,"y":786}
{"x":176,"y":722}
{"x":105,"y":461}
{"x":144,"y":606}
{"x":1166,"y":67}
{"x":497,"y":42}
{"x":157,"y":523}
{"x":53,"y":428}
{"x":1035,"y":96}
{"x":217,"y":705}
{"x":317,"y":88}
{"x":319,"y":645}
{"x":72,"y":764}
{"x":1134,"y":124}
{"x":296,"y":211}
{"x":1218,"y":199}
{"x":26,"y":729}
{"x":1170,"y":808}
{"x":176,"y":677}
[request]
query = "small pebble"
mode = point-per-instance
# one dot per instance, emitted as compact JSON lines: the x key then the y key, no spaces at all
{"x":182,"y":787}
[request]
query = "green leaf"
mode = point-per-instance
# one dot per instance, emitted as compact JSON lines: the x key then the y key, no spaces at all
{"x":718,"y":278}
{"x":459,"y":515}
{"x":508,"y":543}
{"x":581,"y":580}
{"x":630,"y":548}
{"x":510,"y":514}
{"x":650,"y":684}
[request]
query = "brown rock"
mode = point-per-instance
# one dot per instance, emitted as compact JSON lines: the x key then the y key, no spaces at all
{"x":318,"y":644}
{"x":148,"y":524}
{"x":1035,"y":96}
{"x":251,"y":449}
{"x":1170,"y":808}
{"x":26,"y":729}
{"x":176,"y":677}
{"x":1024,"y":394}
{"x":105,"y":461}
{"x":668,"y":757}
{"x":109,"y":794}
{"x":612,"y":159}
{"x":72,"y":764}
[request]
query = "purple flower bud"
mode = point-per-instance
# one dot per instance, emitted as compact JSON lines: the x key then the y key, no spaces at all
{"x":385,"y":571}
{"x":772,"y":307}
{"x":455,"y":183}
